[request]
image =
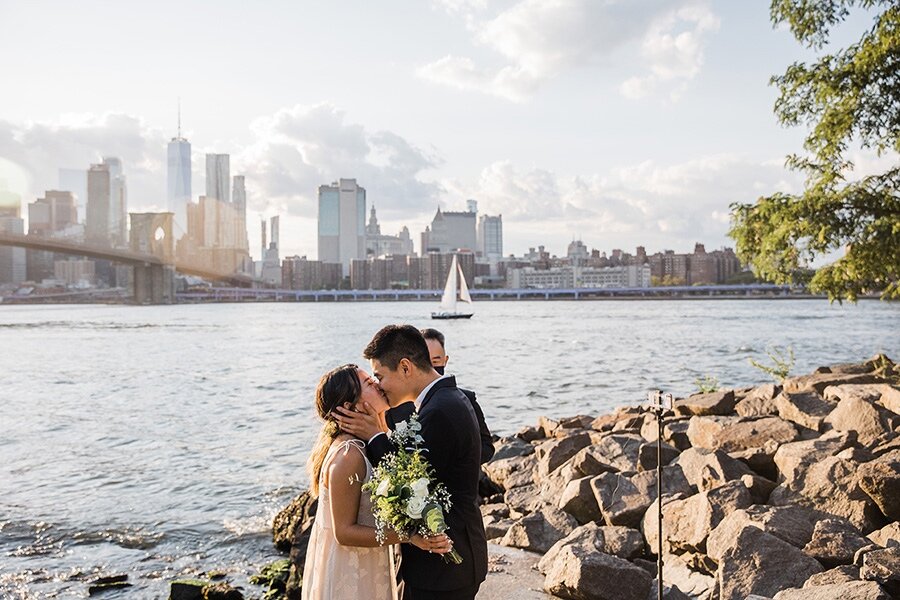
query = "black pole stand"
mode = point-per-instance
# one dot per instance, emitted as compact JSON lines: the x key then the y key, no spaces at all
{"x":660,"y":404}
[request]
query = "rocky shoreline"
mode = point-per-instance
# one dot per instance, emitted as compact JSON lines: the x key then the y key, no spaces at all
{"x":787,"y":492}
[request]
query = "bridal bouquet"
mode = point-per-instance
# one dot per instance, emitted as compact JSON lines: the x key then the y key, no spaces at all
{"x":405,"y":496}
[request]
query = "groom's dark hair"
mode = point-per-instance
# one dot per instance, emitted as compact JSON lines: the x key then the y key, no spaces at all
{"x":395,"y":342}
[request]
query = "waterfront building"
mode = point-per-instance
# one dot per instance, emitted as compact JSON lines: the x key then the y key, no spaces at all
{"x":299,"y":273}
{"x":342,"y":222}
{"x":75,"y":272}
{"x":178,"y":188}
{"x":12,"y":260}
{"x":97,"y":225}
{"x":577,"y":253}
{"x":701,"y":267}
{"x":436,"y":266}
{"x":54,"y":215}
{"x":218,"y":194}
{"x":450,"y":231}
{"x":567,"y":277}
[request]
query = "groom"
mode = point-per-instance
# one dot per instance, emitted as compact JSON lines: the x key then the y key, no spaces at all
{"x":401,"y":362}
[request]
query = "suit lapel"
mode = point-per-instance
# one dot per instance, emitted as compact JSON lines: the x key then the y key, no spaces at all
{"x":441,"y":384}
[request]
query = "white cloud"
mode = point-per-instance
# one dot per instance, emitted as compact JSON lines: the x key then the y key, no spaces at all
{"x":540,"y":39}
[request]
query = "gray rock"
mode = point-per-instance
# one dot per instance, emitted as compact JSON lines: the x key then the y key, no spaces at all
{"x":869,"y":421}
{"x":619,"y":450}
{"x":835,"y":542}
{"x":792,"y":524}
{"x":581,"y":575}
{"x":760,"y":460}
{"x":497,"y":527}
{"x":690,"y":581}
{"x":713,"y":403}
{"x":670,"y":592}
{"x":553,"y":453}
{"x":884,"y":394}
{"x":887,"y":536}
{"x":579,"y":501}
{"x":807,"y":409}
{"x":501,"y":470}
{"x":648,"y":455}
{"x":688,"y":522}
{"x":524,"y":499}
{"x":495,"y":510}
{"x":531,"y":434}
{"x":623,"y":500}
{"x":293,"y":521}
{"x":818,"y":382}
{"x":616,"y":541}
{"x":759,"y":563}
{"x":880,"y":480}
{"x":841,"y":574}
{"x":760,"y":487}
{"x":831,"y":485}
{"x":706,"y":469}
{"x":675,"y":432}
{"x":851,"y":590}
{"x":548,"y":426}
{"x":509,"y":447}
{"x":733,"y":434}
{"x":883,"y":566}
{"x":794,"y":458}
{"x":591,"y":461}
{"x":760,"y":402}
{"x":539,"y":531}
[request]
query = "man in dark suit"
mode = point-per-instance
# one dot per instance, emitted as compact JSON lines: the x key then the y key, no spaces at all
{"x":400,"y":361}
{"x":434,"y":339}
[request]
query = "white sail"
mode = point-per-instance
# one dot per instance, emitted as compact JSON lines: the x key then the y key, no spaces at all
{"x":448,"y":300}
{"x":463,"y":288}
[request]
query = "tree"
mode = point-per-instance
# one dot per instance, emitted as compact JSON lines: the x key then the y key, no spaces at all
{"x":848,"y":98}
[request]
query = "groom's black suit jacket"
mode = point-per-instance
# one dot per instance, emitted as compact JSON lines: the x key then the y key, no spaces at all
{"x":451,"y":433}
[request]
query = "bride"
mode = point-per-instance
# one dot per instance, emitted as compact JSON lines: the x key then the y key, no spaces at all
{"x":344,"y":559}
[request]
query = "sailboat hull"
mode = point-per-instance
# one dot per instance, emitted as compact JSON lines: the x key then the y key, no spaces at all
{"x":450,"y":316}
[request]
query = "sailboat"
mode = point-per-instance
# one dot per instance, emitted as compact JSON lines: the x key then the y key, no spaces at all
{"x":448,"y":300}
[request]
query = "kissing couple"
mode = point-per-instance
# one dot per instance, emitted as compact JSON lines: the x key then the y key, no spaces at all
{"x":345,"y":559}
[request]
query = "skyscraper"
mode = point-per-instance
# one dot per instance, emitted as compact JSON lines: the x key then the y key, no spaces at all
{"x":218,"y":194}
{"x":342,"y":222}
{"x":12,"y":260}
{"x":118,"y":202}
{"x":96,"y":229}
{"x":490,"y":237}
{"x":179,"y":179}
{"x":239,"y":202}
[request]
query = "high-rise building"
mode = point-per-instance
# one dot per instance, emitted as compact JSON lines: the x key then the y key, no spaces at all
{"x":450,"y":231}
{"x":270,"y":268}
{"x":490,"y":237}
{"x":378,"y":244}
{"x":239,"y":202}
{"x":179,"y":179}
{"x":218,"y":194}
{"x":342,"y":223}
{"x":97,"y":225}
{"x":118,"y":202}
{"x":12,"y":260}
{"x":75,"y":181}
{"x":56,"y":214}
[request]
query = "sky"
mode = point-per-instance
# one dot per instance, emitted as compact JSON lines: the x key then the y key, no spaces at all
{"x":616,"y":122}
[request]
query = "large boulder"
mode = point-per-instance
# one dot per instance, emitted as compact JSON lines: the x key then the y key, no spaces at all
{"x":850,"y":590}
{"x":553,"y":453}
{"x":623,"y":499}
{"x":884,"y":394}
{"x":298,"y":515}
{"x":512,"y":446}
{"x":616,"y":541}
{"x":831,"y":485}
{"x":619,"y":450}
{"x":880,"y":480}
{"x":887,"y":536}
{"x":524,"y":499}
{"x":794,"y":458}
{"x":687,"y":522}
{"x":758,"y":563}
{"x":679,"y":573}
{"x":760,"y":402}
{"x":883,"y":566}
{"x":712,"y":403}
{"x":649,"y":455}
{"x":512,"y":471}
{"x":807,"y":409}
{"x":706,"y":469}
{"x":583,"y":575}
{"x":592,"y":461}
{"x":841,"y":574}
{"x":578,"y":500}
{"x":835,"y":542}
{"x":870,"y":421}
{"x":733,"y":434}
{"x":792,"y":524}
{"x":818,"y":382}
{"x":539,"y":531}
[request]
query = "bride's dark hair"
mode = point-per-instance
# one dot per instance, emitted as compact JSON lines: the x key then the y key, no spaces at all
{"x":336,"y":387}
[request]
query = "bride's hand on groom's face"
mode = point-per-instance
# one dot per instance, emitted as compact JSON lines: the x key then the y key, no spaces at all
{"x":362,"y":422}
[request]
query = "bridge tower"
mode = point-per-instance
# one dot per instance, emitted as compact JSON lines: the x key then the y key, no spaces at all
{"x":151,"y":233}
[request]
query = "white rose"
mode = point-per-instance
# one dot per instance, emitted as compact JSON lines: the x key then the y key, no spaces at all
{"x":414,"y":507}
{"x":401,"y":427}
{"x":383,"y":487}
{"x":420,"y":487}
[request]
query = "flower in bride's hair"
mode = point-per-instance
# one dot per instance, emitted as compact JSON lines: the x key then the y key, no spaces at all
{"x":415,"y":506}
{"x":384,"y":486}
{"x":420,"y":487}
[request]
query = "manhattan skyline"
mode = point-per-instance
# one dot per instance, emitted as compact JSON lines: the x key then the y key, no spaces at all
{"x":617,"y":123}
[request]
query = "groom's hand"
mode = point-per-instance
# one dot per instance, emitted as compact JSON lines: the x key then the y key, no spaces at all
{"x":362,"y":423}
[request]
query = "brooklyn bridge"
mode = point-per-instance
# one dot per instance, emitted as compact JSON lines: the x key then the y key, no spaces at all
{"x":151,"y":253}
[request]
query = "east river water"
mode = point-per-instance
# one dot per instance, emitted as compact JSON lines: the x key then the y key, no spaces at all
{"x":158,"y":442}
